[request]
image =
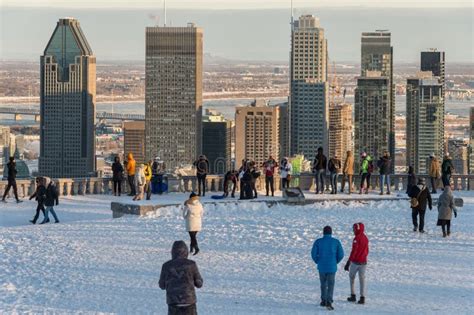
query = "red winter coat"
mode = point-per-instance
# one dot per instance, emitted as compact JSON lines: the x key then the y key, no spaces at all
{"x":360,"y":245}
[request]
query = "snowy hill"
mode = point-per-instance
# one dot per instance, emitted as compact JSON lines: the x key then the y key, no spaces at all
{"x":254,"y":259}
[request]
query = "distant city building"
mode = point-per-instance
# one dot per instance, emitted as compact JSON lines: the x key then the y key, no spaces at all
{"x":217,"y":141}
{"x":458,"y":150}
{"x":471,"y":141}
{"x":257,"y":132}
{"x":425,"y":120}
{"x":434,"y":61}
{"x":4,"y":146}
{"x":308,"y":105}
{"x":173,"y":94}
{"x":67,"y":104}
{"x":340,"y":130}
{"x":377,"y":55}
{"x":372,"y":114}
{"x":284,"y":125}
{"x":134,"y":140}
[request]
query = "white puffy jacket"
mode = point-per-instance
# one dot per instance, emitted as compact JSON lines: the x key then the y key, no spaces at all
{"x":193,"y":212}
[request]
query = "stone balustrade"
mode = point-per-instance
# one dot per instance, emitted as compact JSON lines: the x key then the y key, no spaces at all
{"x":215,"y":183}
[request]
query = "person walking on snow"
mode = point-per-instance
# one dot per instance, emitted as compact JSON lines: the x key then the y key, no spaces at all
{"x":327,"y":252}
{"x":140,"y":181}
{"x":269,"y":167}
{"x":11,"y":179}
{"x":434,"y":172}
{"x":40,"y":196}
{"x":117,"y":176}
{"x":384,"y":164}
{"x":447,"y":170}
{"x":319,"y":170}
{"x":334,"y":167}
{"x":178,"y":277}
{"x":193,"y":212}
{"x":52,"y":199}
{"x":131,"y":165}
{"x":348,"y":171}
{"x":446,"y":208}
{"x":420,"y":198}
{"x":202,"y":169}
{"x":357,"y":262}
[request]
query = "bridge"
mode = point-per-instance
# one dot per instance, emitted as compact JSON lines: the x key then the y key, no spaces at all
{"x":18,"y":112}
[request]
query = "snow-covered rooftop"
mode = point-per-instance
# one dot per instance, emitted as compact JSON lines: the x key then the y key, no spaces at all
{"x":254,"y":259}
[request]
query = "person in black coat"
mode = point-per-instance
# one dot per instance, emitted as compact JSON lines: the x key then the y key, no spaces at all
{"x":230,"y":179}
{"x":52,"y":198}
{"x":202,"y":169}
{"x":117,"y":177}
{"x":11,"y":177}
{"x":40,"y":196}
{"x":411,"y":182}
{"x":319,"y":170}
{"x":423,"y":198}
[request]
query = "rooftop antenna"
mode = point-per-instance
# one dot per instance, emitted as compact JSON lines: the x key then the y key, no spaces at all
{"x":291,"y":13}
{"x":164,"y":9}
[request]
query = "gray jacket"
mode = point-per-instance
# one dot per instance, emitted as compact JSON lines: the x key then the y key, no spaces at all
{"x":179,"y":276}
{"x":446,"y":204}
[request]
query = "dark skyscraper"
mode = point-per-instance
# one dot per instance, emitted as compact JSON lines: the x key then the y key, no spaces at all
{"x":67,"y":104}
{"x":173,"y":94}
{"x":433,"y":61}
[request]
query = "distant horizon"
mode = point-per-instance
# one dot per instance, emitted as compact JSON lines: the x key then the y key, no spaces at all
{"x":118,"y":34}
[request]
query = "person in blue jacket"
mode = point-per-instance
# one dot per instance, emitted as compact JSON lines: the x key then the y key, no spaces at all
{"x":327,"y":252}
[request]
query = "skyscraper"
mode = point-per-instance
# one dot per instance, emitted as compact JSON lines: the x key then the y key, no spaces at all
{"x":283,"y":125}
{"x":308,"y":106}
{"x":67,"y":104}
{"x":375,"y":88}
{"x":433,"y":60}
{"x":372,"y":114}
{"x":173,"y":94}
{"x":340,"y":130}
{"x":425,"y":120}
{"x":257,"y":132}
{"x":471,"y":140}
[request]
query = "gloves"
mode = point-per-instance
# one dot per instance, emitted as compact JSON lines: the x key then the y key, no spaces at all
{"x":346,"y":267}
{"x":455,"y":213}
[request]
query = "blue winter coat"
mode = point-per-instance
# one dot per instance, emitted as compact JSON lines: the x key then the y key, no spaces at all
{"x":327,"y":252}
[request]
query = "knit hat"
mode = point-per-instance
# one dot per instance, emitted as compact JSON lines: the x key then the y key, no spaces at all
{"x":327,"y":230}
{"x":421,"y":181}
{"x":192,"y":195}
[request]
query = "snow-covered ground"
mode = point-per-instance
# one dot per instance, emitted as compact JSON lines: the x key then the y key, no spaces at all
{"x":254,"y":259}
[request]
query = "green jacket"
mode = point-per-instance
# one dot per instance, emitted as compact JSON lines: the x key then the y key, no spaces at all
{"x":364,"y":165}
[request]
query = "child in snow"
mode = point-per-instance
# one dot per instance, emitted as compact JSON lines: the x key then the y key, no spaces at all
{"x":179,"y":276}
{"x":445,"y":210}
{"x":327,"y":252}
{"x":357,"y":261}
{"x":193,"y":212}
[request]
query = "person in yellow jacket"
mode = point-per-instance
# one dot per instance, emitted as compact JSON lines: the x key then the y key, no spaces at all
{"x":131,"y":174}
{"x":148,"y":174}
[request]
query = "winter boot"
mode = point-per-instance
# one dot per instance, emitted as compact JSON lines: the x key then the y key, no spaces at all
{"x":444,"y":234}
{"x":196,"y":251}
{"x":362,"y":300}
{"x":18,"y":201}
{"x":352,"y":298}
{"x":329,"y":306}
{"x":323,"y":303}
{"x":45,"y":221}
{"x":449,"y":233}
{"x":33,"y":221}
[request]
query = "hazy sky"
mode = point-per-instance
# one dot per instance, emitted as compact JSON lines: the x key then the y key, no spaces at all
{"x":235,"y":4}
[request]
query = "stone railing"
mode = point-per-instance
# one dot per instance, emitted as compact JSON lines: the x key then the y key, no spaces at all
{"x":215,"y":183}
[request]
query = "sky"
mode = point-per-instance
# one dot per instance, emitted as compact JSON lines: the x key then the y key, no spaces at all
{"x":235,"y":4}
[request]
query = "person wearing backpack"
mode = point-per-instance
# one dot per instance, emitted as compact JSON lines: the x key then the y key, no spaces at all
{"x":366,"y":168}
{"x":319,"y":170}
{"x":334,"y":167}
{"x":52,"y":198}
{"x":420,"y":198}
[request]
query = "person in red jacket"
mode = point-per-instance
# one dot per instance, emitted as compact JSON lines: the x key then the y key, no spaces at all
{"x":357,"y":262}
